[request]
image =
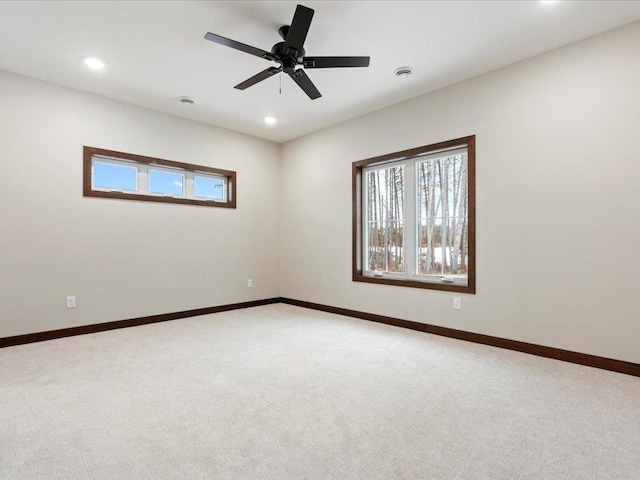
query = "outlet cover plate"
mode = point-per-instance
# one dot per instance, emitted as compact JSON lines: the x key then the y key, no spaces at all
{"x":71,"y":302}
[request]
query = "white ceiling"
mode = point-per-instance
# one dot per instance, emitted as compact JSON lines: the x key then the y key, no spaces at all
{"x":155,"y":51}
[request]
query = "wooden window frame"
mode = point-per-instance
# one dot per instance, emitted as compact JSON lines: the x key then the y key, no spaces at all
{"x":88,"y":191}
{"x":357,"y":213}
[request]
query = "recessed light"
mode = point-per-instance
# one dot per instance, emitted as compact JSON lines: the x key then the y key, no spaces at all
{"x":548,"y":2}
{"x":94,"y":63}
{"x":270,"y":120}
{"x":404,"y":72}
{"x":186,"y":101}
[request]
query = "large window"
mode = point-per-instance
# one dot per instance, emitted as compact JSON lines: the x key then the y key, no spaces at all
{"x":414,"y":217}
{"x":134,"y":177}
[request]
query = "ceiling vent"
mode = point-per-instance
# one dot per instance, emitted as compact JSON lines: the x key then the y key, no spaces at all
{"x":404,"y":72}
{"x":186,"y":101}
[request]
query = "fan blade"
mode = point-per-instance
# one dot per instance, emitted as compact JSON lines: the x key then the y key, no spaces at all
{"x":305,"y":83}
{"x":335,"y":62}
{"x":227,"y":42}
{"x":263,"y":75}
{"x":299,"y":28}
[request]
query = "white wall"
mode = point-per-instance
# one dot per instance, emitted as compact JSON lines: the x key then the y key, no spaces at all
{"x":122,"y":259}
{"x":557,"y":206}
{"x":558,"y":165}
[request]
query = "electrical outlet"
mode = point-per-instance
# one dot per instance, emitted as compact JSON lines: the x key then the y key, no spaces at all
{"x":457,"y":303}
{"x":71,"y":302}
{"x":250,"y":283}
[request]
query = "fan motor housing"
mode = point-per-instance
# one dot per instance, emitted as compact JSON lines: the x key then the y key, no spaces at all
{"x":279,"y":52}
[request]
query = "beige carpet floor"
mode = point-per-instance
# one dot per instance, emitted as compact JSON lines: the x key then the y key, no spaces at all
{"x":280,"y":392}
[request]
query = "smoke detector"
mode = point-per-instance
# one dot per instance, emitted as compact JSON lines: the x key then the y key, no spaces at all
{"x":404,"y":72}
{"x":186,"y":101}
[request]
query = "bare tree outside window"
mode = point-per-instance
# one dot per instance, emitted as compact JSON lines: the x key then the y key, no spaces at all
{"x":385,"y":219}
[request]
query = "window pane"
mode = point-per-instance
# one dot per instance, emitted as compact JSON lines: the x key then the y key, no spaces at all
{"x":385,"y":219}
{"x":442,"y":216}
{"x":115,"y":177}
{"x":166,"y":183}
{"x":207,"y":187}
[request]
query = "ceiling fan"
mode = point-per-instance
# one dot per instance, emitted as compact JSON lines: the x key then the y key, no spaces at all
{"x":290,"y":53}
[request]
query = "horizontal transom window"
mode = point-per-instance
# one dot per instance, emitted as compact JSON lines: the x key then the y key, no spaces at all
{"x":127,"y":176}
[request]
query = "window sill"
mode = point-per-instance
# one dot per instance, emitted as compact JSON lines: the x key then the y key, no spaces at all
{"x":447,"y":287}
{"x":157,"y":198}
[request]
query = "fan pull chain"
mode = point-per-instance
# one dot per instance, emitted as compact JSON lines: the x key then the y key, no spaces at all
{"x":280,"y":82}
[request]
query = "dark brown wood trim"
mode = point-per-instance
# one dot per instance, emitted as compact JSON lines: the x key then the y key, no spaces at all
{"x":149,"y":198}
{"x":356,"y":199}
{"x":132,"y":322}
{"x":447,"y":287}
{"x":87,"y":191}
{"x":603,"y":363}
{"x":357,"y":203}
{"x":414,"y":152}
{"x":156,"y":161}
{"x":618,"y":366}
{"x":471,"y":206}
